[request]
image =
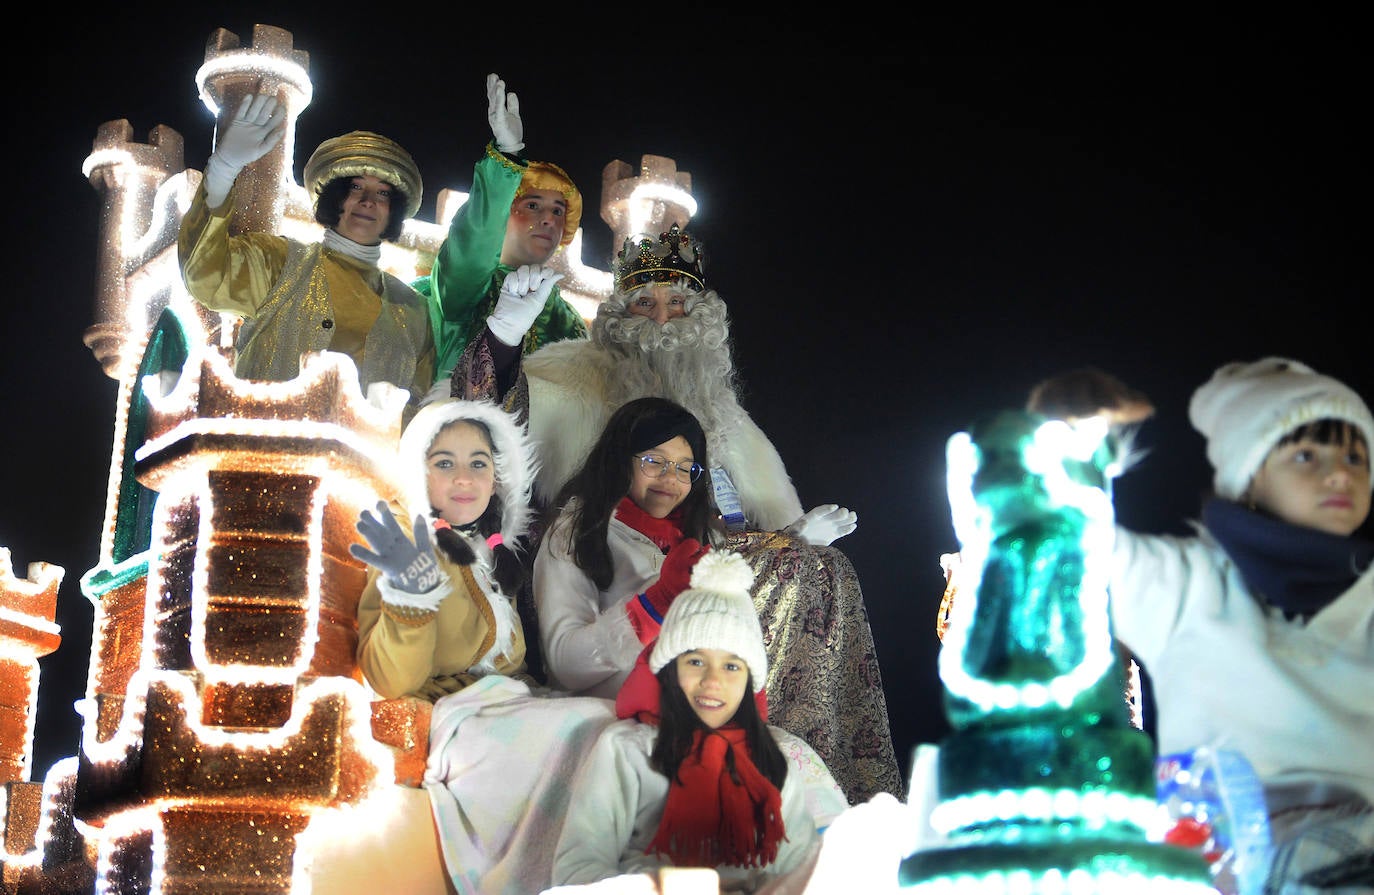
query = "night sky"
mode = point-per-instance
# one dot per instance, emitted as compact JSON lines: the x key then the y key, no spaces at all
{"x":906,"y":239}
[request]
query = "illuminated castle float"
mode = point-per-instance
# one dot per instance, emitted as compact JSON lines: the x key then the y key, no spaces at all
{"x":229,"y":744}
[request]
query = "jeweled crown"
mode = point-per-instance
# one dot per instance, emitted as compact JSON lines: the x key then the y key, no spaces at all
{"x":676,"y":256}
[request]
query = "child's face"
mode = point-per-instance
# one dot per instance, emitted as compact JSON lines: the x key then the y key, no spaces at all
{"x":660,"y":496}
{"x":1321,"y":486}
{"x":714,"y":682}
{"x":534,"y":229}
{"x":461,"y":473}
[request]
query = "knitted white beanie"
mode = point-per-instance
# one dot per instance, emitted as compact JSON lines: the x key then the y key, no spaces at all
{"x":1246,"y":408}
{"x":717,"y":612}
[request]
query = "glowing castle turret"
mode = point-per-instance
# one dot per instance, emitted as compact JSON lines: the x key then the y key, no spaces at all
{"x":133,"y":248}
{"x":646,"y":204}
{"x":227,"y":733}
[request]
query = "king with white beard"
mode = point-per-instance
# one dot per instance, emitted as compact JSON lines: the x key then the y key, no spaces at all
{"x":663,"y":333}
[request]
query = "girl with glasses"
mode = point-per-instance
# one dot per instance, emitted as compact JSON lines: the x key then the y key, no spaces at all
{"x":632,"y":523}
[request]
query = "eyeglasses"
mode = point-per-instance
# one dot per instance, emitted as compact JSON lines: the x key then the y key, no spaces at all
{"x":656,"y":467}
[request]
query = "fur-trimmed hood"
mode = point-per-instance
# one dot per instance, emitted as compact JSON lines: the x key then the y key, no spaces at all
{"x":516,"y":460}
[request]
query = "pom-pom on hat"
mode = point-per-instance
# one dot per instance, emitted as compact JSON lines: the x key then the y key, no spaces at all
{"x":717,"y":612}
{"x":363,"y":152}
{"x":1247,"y":408}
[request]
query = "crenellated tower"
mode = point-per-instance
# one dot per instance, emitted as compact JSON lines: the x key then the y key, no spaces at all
{"x":647,"y":203}
{"x":138,"y":227}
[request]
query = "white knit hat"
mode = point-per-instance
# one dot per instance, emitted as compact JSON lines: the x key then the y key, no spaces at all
{"x":1247,"y":408}
{"x":717,"y":612}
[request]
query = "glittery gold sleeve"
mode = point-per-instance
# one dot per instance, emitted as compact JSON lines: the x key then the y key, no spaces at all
{"x":223,"y":272}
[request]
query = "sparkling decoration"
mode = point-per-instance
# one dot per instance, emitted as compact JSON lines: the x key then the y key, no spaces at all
{"x":228,"y":742}
{"x":1044,"y":787}
{"x":674,"y":257}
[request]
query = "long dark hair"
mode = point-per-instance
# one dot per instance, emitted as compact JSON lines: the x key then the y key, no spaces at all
{"x":329,"y":206}
{"x":507,"y":568}
{"x":606,"y":474}
{"x":677,"y":725}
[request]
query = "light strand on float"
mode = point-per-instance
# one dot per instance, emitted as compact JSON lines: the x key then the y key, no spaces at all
{"x":1093,"y":808}
{"x":240,"y":62}
{"x":1043,"y":456}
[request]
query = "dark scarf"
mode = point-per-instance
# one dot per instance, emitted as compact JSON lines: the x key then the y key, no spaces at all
{"x":1296,"y":569}
{"x":712,"y":817}
{"x":665,"y":532}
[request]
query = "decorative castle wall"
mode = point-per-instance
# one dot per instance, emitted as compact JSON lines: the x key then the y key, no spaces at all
{"x":227,"y":730}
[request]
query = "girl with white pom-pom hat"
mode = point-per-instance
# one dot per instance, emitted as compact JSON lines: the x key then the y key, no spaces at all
{"x":693,"y":775}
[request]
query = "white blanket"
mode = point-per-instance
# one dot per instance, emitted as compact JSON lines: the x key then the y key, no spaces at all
{"x":501,"y":759}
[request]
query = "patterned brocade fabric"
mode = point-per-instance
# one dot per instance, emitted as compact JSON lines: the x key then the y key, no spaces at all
{"x":824,"y":684}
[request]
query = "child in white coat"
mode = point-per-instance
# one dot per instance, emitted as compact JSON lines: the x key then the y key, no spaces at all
{"x":1258,"y":632}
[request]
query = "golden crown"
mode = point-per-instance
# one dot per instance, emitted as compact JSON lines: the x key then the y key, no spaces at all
{"x":676,"y":256}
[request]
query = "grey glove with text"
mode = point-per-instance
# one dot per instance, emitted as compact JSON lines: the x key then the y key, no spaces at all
{"x":409,"y":566}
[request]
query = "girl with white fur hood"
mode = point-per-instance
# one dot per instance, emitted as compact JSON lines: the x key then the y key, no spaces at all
{"x":435,"y":622}
{"x":432,"y":621}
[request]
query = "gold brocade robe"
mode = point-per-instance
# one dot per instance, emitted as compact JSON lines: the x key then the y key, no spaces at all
{"x":297,"y":298}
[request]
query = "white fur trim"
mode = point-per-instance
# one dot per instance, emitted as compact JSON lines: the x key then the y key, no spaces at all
{"x":567,"y":408}
{"x":502,"y":609}
{"x":567,"y":389}
{"x":428,"y":601}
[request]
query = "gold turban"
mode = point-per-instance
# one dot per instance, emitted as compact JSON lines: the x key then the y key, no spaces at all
{"x":363,"y":152}
{"x":548,"y":176}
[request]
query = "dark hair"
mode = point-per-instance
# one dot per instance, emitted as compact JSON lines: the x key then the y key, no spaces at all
{"x":604,"y":480}
{"x":1327,"y":431}
{"x":507,"y":568}
{"x":329,"y":206}
{"x":677,"y":723}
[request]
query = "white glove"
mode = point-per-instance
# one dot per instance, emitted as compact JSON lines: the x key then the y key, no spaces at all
{"x":523,"y":294}
{"x":503,"y":114}
{"x":255,"y":128}
{"x":824,"y":525}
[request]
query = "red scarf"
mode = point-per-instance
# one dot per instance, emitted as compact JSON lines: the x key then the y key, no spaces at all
{"x":665,"y":532}
{"x":710,"y":819}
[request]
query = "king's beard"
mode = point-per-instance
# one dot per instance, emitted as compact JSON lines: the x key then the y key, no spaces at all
{"x":687,"y":360}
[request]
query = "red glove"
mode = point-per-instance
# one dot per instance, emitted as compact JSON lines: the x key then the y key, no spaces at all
{"x":676,"y":574}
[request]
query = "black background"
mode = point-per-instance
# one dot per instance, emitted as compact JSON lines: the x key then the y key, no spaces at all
{"x":906,"y":236}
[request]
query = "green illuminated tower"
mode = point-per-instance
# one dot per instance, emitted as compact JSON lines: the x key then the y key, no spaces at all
{"x":1045,"y":787}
